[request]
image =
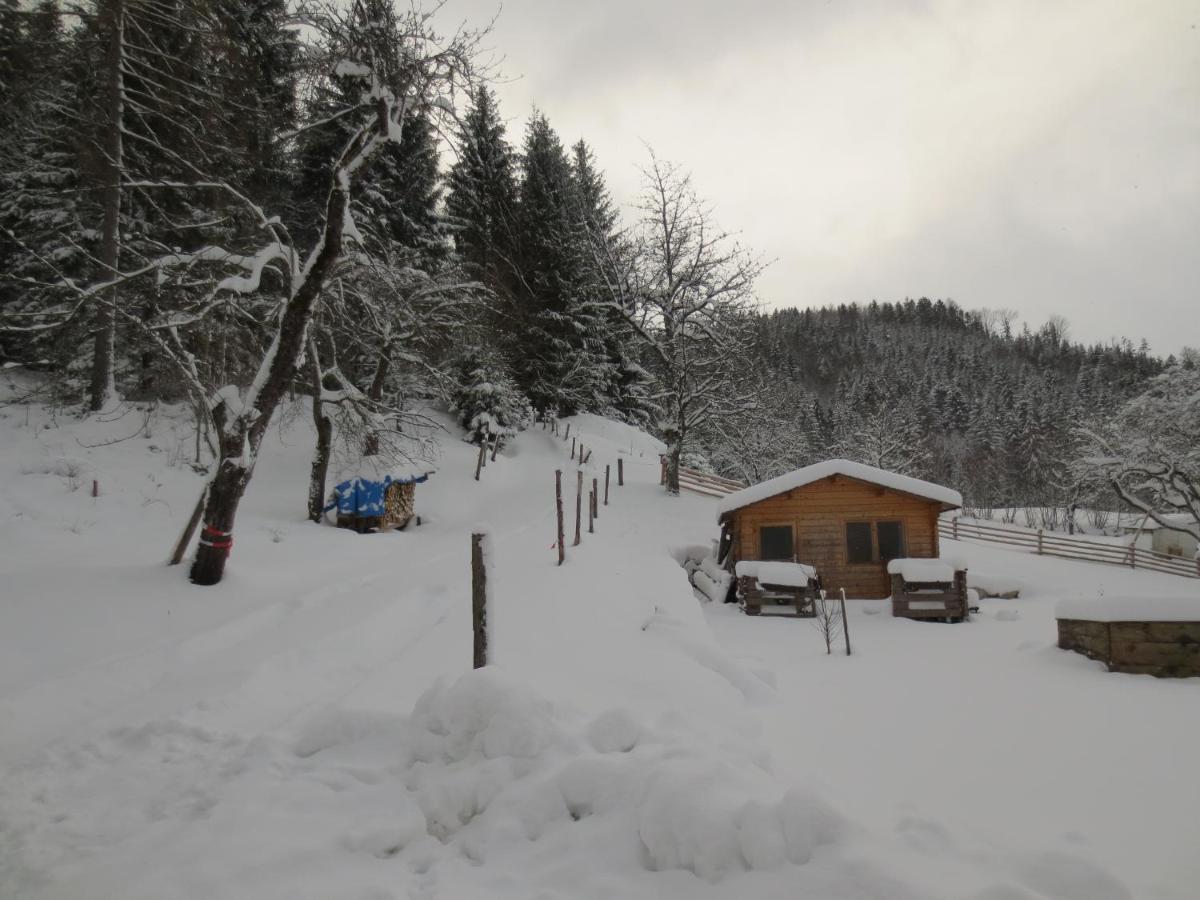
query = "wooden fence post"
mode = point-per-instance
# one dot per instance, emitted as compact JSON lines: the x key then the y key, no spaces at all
{"x":495,"y":446}
{"x":621,"y":474}
{"x":845,"y":622}
{"x":596,"y":496}
{"x":479,"y":462}
{"x":567,"y":433}
{"x":1039,"y":549}
{"x":662,"y":475}
{"x":956,"y":528}
{"x":1133,"y":556}
{"x":572,"y":447}
{"x":591,"y":513}
{"x":558,"y":508}
{"x":578,"y":507}
{"x":607,"y":467}
{"x":479,"y":599}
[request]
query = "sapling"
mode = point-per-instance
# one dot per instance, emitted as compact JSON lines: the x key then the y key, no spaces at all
{"x":828,"y":619}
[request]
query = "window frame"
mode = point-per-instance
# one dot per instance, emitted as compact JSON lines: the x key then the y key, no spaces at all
{"x":791,"y":526}
{"x":871,"y":554}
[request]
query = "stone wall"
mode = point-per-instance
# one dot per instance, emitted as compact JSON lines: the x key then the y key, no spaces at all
{"x":1162,"y":649}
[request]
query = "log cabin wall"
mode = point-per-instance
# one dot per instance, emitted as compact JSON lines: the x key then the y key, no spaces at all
{"x":818,"y":514}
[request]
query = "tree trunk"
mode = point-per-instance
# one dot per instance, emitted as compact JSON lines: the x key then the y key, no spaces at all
{"x":375,"y":394}
{"x":103,"y":387}
{"x":324,"y":425}
{"x":674,"y":451}
{"x":224,"y":494}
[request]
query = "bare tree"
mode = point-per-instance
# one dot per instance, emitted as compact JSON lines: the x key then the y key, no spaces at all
{"x":886,"y":437}
{"x":403,"y":68}
{"x":1150,"y":451}
{"x":685,"y":290}
{"x":828,"y":619}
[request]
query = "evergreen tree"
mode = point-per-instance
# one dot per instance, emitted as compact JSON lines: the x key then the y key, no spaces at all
{"x":481,"y":196}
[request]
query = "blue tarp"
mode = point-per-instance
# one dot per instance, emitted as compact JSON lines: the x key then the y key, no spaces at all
{"x":364,"y":497}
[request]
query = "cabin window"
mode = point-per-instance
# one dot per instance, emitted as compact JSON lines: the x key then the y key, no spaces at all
{"x":858,"y":542}
{"x":890,"y":539}
{"x":775,"y":542}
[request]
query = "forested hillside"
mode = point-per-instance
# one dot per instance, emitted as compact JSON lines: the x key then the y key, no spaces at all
{"x":930,"y":389}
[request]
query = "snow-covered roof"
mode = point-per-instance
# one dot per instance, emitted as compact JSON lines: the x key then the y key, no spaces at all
{"x":857,"y":471}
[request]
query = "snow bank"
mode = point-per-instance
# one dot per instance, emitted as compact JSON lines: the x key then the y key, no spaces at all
{"x":921,"y":570}
{"x":627,"y":438}
{"x":994,"y":585}
{"x":785,"y":573}
{"x":816,"y":472}
{"x":489,"y":758}
{"x":1131,"y":609}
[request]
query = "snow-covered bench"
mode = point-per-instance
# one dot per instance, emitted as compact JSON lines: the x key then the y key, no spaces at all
{"x":929,"y":589}
{"x":777,"y":584}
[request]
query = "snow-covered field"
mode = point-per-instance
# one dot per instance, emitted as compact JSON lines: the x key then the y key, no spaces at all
{"x":311,"y":727}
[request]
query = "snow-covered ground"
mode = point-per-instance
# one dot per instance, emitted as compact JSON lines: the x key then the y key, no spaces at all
{"x":311,"y":727}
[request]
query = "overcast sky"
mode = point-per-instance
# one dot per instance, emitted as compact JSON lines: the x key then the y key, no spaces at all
{"x":1031,"y":154}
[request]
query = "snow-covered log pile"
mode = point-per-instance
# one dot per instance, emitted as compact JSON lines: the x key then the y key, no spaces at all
{"x":710,"y":579}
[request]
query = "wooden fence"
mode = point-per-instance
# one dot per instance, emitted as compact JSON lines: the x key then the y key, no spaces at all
{"x":1054,"y":544}
{"x":701,"y":482}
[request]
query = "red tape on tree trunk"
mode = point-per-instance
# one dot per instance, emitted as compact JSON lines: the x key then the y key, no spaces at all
{"x":217,"y":539}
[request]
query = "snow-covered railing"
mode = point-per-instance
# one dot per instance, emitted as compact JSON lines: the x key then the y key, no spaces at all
{"x":702,"y":482}
{"x":1051,"y":544}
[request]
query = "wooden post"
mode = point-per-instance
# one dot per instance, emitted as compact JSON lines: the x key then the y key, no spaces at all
{"x":479,"y":462}
{"x":846,"y":622}
{"x":662,"y":475}
{"x":583,"y":458}
{"x":558,"y":507}
{"x":1133,"y":556}
{"x":567,"y":433}
{"x":495,"y":446}
{"x":956,"y":528}
{"x":596,"y":496}
{"x":607,"y":467}
{"x":572,"y":446}
{"x":479,"y":599}
{"x":620,"y":471}
{"x":95,"y":488}
{"x":578,"y":507}
{"x":591,"y":513}
{"x":1039,"y":549}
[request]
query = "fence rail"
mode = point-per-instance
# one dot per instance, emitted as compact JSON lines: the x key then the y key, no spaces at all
{"x":1053,"y":544}
{"x":702,"y":482}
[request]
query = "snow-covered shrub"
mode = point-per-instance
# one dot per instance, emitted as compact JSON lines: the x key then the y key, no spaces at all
{"x":487,"y":401}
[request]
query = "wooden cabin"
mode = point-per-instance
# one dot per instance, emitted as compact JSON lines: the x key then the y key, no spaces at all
{"x":845,"y":518}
